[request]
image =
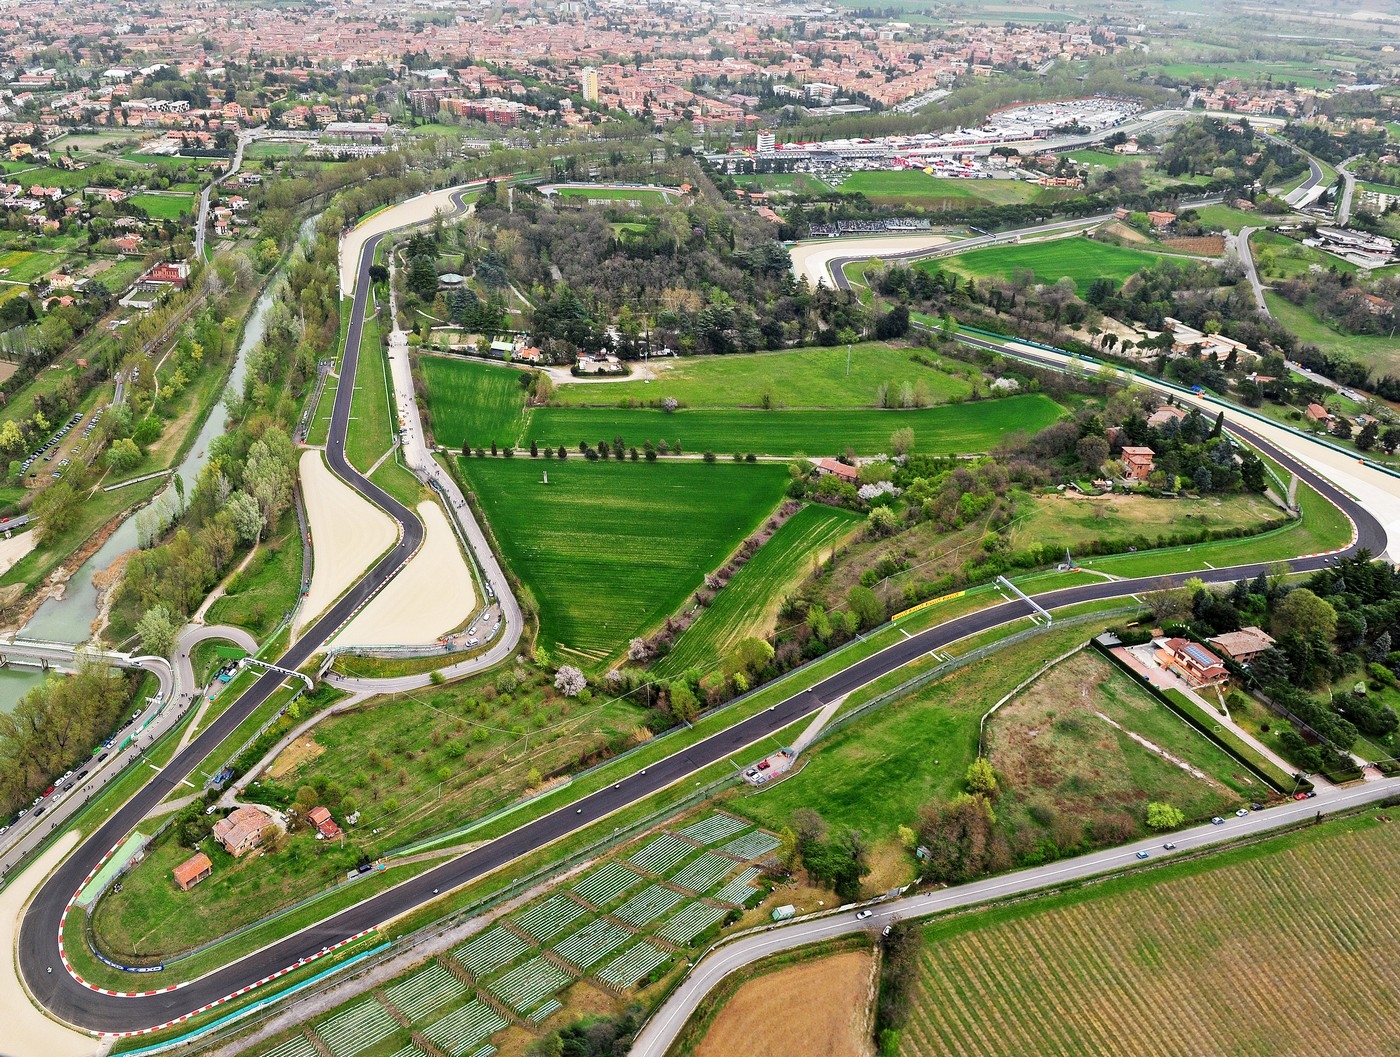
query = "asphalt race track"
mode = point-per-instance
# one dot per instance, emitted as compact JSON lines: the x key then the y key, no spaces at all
{"x":76,"y":1004}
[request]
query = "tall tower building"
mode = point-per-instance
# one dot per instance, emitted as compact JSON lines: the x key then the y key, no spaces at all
{"x":590,"y":84}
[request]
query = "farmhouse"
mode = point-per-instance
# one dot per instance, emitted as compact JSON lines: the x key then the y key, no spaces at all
{"x":1137,"y":462}
{"x":1164,"y":414}
{"x":193,"y":870}
{"x":320,"y":817}
{"x":1196,"y":664}
{"x":839,"y":470}
{"x":242,"y":830}
{"x":1317,"y":413}
{"x":1244,"y":645}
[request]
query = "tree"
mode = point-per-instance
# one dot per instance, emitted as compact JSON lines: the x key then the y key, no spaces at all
{"x":123,"y":455}
{"x":156,"y":630}
{"x":247,"y":518}
{"x":883,"y":521}
{"x":1162,"y":816}
{"x":268,"y":474}
{"x":749,"y":656}
{"x":569,"y":681}
{"x":1092,"y":451}
{"x":902,"y":441}
{"x":54,"y":511}
{"x":1366,"y":439}
{"x":981,"y":778}
{"x":866,"y":606}
{"x":1304,"y":614}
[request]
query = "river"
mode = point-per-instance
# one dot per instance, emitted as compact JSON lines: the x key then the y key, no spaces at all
{"x":69,"y":619}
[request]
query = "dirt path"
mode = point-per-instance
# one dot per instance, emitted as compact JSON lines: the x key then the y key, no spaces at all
{"x":27,"y":1031}
{"x":432,"y":596}
{"x":816,"y":1009}
{"x":347,"y":532}
{"x":15,"y":548}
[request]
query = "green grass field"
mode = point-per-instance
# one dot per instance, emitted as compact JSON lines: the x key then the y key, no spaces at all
{"x":799,"y":378}
{"x":1106,"y":158}
{"x":27,"y":265}
{"x":1304,"y":75}
{"x":915,"y":185}
{"x":1198,"y":957}
{"x":1078,"y":258}
{"x":473,"y":402}
{"x":796,"y":182}
{"x":1232,"y":219}
{"x":608,"y":550}
{"x":260,"y":595}
{"x":959,"y":428}
{"x":165,"y":206}
{"x":372,"y":424}
{"x":274,"y":150}
{"x":748,"y":604}
{"x":620,"y":195}
{"x":1376,"y":351}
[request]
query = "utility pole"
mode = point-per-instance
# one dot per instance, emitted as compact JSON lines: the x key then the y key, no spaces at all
{"x":848,"y":361}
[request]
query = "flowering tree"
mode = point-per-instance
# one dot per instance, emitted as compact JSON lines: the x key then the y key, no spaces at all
{"x":569,"y":681}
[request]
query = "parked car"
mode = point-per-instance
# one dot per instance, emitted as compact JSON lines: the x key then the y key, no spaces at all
{"x":1217,"y":821}
{"x":1242,"y":812}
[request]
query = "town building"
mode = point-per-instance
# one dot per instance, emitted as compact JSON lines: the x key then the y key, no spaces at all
{"x":193,"y":870}
{"x":320,"y":817}
{"x":1192,"y":661}
{"x":1244,"y":645}
{"x":589,"y":82}
{"x":1137,"y":462}
{"x":242,"y":830}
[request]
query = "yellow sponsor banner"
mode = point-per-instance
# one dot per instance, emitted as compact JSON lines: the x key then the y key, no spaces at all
{"x":930,"y":602}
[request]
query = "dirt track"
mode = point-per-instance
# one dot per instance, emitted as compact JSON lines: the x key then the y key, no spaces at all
{"x":816,"y":1009}
{"x":347,"y":532}
{"x":432,"y":596}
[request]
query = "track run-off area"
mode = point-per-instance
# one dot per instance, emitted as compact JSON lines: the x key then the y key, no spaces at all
{"x":1364,"y":494}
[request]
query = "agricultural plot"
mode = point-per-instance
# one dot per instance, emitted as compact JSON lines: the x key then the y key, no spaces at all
{"x":543,"y":1012}
{"x":164,"y":206}
{"x":605,"y":884}
{"x":661,"y":854}
{"x":524,"y":987}
{"x":648,"y":905}
{"x":296,"y":1046}
{"x":1078,"y":258}
{"x":748,"y":604}
{"x":714,"y":828}
{"x":956,"y":429}
{"x":463,"y":1028}
{"x":793,"y":378}
{"x":739,"y":889}
{"x":627,"y":968}
{"x":689,"y":922}
{"x":647,"y":530}
{"x":592,"y":943}
{"x":703,"y":874}
{"x":472,"y":402}
{"x":750,"y":845}
{"x":1160,"y":956}
{"x":24,"y":266}
{"x":425,"y":992}
{"x":488,"y":952}
{"x":357,"y":1028}
{"x":546,"y":920}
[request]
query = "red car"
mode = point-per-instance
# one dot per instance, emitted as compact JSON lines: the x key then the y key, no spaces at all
{"x":48,"y":790}
{"x":1300,"y":796}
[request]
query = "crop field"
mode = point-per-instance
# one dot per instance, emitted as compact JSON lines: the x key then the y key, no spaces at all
{"x":915,"y":185}
{"x":473,"y":402}
{"x":1078,"y":258}
{"x":1304,"y":75}
{"x":960,"y":429}
{"x":165,"y":206}
{"x":620,"y":195}
{"x":648,"y":531}
{"x":27,"y":265}
{"x":828,"y":996}
{"x":799,"y":378}
{"x":1257,"y":950}
{"x":748,"y":604}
